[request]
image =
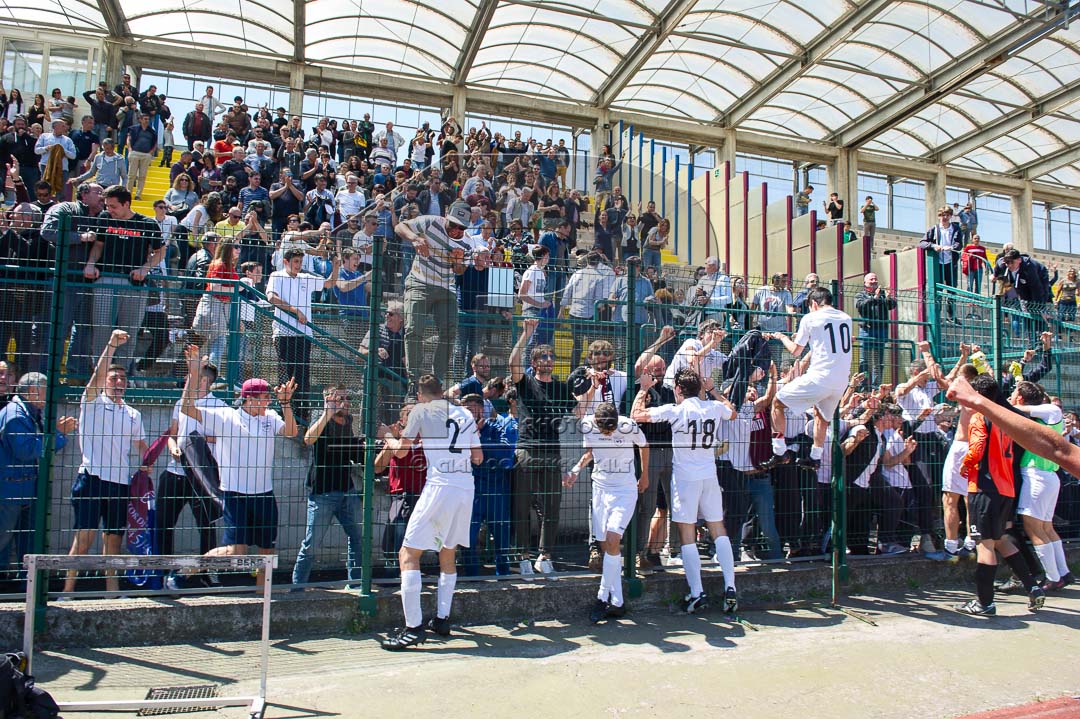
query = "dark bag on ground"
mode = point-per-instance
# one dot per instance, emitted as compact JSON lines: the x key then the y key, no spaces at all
{"x":19,"y":697}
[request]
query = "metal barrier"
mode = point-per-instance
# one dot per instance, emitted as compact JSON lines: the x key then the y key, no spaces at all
{"x":418,"y":325}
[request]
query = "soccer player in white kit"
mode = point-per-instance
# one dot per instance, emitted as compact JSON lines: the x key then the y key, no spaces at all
{"x":827,"y":332}
{"x":609,"y":442}
{"x":440,"y":520}
{"x":695,"y":488}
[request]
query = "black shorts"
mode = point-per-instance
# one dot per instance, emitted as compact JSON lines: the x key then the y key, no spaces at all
{"x":988,"y":514}
{"x":250,"y":519}
{"x":100,"y":503}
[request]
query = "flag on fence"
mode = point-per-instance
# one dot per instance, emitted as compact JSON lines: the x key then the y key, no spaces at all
{"x":140,"y":516}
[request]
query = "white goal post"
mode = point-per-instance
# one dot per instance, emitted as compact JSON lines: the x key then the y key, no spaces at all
{"x":37,"y":563}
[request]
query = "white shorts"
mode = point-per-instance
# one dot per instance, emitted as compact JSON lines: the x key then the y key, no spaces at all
{"x":612,"y":510}
{"x":440,"y":519}
{"x":951,"y":479}
{"x":805,"y":392}
{"x":696,"y":499}
{"x":1038,"y":493}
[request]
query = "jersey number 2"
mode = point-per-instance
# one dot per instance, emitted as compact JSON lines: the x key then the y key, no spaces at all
{"x":453,"y":448}
{"x":845,"y":337}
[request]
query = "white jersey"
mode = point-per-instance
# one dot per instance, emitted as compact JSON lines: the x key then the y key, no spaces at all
{"x":733,"y":438}
{"x":449,"y":433}
{"x":896,"y":475}
{"x":709,"y":363}
{"x":694,"y":426}
{"x":613,"y":454}
{"x":827,"y":334}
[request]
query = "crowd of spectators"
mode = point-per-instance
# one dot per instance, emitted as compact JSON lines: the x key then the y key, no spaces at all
{"x":474,"y":228}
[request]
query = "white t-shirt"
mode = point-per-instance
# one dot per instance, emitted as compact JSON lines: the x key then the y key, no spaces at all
{"x":186,"y":425}
{"x":297,"y":292}
{"x":245,"y":448}
{"x":827,"y":333}
{"x":349,"y":203}
{"x":896,"y":475}
{"x":915,"y":401}
{"x":364,"y":243}
{"x":107,"y":431}
{"x":613,"y":454}
{"x":734,"y":438}
{"x":694,"y":424}
{"x":711,"y":362}
{"x":537,"y":285}
{"x":449,"y":433}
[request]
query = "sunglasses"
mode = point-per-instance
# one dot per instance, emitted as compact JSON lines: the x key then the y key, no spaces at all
{"x":603,"y":353}
{"x":546,"y":356}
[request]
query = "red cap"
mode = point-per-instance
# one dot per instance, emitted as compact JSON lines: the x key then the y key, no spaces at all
{"x":253,"y":387}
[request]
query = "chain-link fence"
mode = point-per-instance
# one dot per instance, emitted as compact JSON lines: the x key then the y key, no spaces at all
{"x":317,"y":341}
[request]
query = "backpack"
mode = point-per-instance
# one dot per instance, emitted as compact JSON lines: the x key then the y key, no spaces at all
{"x":19,"y":697}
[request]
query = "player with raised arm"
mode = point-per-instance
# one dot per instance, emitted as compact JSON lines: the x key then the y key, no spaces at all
{"x":440,"y":522}
{"x":954,"y":485}
{"x":827,"y":332}
{"x":695,"y":490}
{"x":609,"y":442}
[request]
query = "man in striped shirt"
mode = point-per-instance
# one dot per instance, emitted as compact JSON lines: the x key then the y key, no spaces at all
{"x":442,"y":251}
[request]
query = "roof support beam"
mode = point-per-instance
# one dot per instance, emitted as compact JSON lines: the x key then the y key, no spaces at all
{"x":1049,"y":163}
{"x":784,"y":75}
{"x":955,"y":75}
{"x":299,"y":30}
{"x":115,"y":19}
{"x":473,"y":41}
{"x":349,"y":82}
{"x":1007,"y":123}
{"x":648,"y":43}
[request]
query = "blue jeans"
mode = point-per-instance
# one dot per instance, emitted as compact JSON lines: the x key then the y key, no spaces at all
{"x":974,"y":281}
{"x":650,"y":258}
{"x":491,"y":504}
{"x":760,"y":489}
{"x":321,"y":510}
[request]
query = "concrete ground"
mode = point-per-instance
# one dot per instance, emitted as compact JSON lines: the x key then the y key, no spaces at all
{"x":919,"y":659}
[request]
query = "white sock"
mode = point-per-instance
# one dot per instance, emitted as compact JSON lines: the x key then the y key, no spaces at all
{"x":1046,"y":557}
{"x":1059,"y":558}
{"x":727,"y":560}
{"x":952,"y":545}
{"x":410,"y":597}
{"x":817,"y":452}
{"x":969,"y":543}
{"x":612,"y":569}
{"x":447,"y":582}
{"x":691,"y":564}
{"x":779,"y":445}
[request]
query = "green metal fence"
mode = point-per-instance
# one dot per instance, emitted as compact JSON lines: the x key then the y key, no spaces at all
{"x":792,"y":512}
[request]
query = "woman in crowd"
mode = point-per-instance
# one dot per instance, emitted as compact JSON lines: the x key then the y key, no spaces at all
{"x":1065,"y":297}
{"x":212,"y":314}
{"x":741,"y":319}
{"x":37,"y":114}
{"x":11,"y":105}
{"x":631,"y":238}
{"x":655,"y":242}
{"x":180,"y":198}
{"x":209,"y":175}
{"x":551,"y":206}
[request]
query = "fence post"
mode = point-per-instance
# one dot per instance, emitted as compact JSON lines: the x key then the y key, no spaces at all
{"x":675,"y":225}
{"x":43,"y":495}
{"x":367,"y":603}
{"x":995,"y":337}
{"x":236,"y":363}
{"x":689,"y":211}
{"x":663,"y":181}
{"x":933,"y":314}
{"x":633,"y":583}
{"x":839,"y":503}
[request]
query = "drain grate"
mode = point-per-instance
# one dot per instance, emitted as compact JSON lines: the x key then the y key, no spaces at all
{"x":198,"y":691}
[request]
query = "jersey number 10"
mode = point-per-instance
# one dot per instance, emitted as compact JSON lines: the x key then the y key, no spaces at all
{"x":845,"y":337}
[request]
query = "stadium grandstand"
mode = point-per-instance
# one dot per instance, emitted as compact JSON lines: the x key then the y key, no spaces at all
{"x":343,"y":283}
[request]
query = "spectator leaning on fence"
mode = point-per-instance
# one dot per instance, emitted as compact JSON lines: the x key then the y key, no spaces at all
{"x":22,"y":445}
{"x":331,"y":491}
{"x":108,"y":430}
{"x":245,"y":436}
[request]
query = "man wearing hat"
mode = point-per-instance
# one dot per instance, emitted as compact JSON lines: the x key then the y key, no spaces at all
{"x":442,"y":252}
{"x":244,"y":441}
